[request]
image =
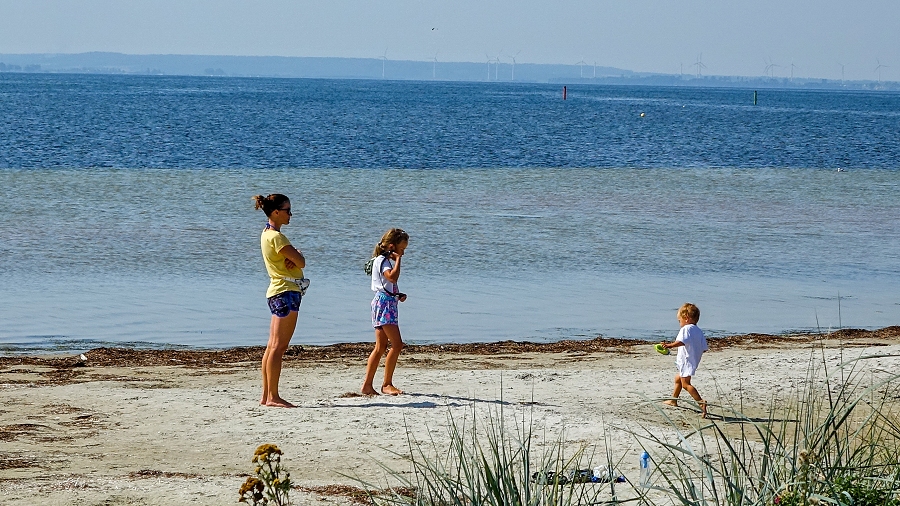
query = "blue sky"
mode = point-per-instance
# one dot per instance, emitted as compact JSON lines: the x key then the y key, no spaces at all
{"x":734,"y":38}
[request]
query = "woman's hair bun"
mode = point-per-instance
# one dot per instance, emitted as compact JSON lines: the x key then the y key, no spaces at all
{"x":258,"y":201}
{"x":270,"y":203}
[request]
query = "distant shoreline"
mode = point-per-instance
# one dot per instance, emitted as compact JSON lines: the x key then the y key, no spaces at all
{"x":403,"y":70}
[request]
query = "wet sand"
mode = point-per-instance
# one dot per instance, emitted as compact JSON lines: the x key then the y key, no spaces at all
{"x":181,"y":426}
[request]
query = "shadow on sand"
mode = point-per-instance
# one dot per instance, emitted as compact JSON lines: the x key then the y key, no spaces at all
{"x":424,"y":401}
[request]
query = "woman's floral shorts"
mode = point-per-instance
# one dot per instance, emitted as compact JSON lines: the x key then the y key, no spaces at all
{"x":283,"y":303}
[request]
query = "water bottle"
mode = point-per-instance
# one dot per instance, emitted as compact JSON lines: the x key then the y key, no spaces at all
{"x":645,"y":470}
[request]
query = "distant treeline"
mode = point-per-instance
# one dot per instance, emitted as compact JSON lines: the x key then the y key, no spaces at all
{"x":19,"y":68}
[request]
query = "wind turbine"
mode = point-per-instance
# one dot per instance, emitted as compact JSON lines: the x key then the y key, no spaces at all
{"x":699,"y":64}
{"x":770,"y":68}
{"x":581,"y":64}
{"x":489,"y":66}
{"x":383,"y":59}
{"x":513,"y":57}
{"x":434,"y":66}
{"x":595,"y":71}
{"x":497,"y":68}
{"x":792,"y":70}
{"x":878,"y":69}
{"x":842,"y":73}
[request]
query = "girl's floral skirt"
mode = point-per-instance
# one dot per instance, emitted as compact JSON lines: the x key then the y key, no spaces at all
{"x":384,"y":310}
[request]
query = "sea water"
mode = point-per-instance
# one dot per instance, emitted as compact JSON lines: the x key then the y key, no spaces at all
{"x":126,"y":213}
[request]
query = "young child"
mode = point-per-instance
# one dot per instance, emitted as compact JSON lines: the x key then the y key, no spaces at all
{"x":385,"y":272}
{"x":691,"y":344}
{"x":285,"y":264}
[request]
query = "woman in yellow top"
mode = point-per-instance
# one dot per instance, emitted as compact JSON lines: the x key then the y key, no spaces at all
{"x":284,"y":264}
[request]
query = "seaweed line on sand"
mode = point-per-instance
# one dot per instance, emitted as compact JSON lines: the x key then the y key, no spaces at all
{"x":125,"y":357}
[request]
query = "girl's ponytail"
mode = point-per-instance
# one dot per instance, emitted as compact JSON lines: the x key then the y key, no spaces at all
{"x":391,"y":237}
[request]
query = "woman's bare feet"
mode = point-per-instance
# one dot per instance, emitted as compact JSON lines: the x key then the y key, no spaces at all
{"x":671,"y":402}
{"x":703,"y":413}
{"x":368,"y":390}
{"x":391,"y":390}
{"x":278,"y":402}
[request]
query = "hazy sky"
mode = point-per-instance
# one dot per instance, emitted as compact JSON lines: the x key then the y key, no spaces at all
{"x":734,"y":37}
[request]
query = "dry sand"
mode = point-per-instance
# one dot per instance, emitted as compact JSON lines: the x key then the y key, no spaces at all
{"x":180,"y":427}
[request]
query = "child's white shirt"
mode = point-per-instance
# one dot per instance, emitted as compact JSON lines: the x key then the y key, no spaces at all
{"x":694,"y":345}
{"x":379,"y":282}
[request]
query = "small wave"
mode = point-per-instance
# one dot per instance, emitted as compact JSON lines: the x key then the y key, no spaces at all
{"x":51,"y":345}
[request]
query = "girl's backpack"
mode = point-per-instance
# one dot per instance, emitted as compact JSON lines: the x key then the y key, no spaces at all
{"x":368,"y":267}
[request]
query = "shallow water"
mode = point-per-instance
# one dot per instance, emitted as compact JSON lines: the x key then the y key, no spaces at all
{"x":172,"y":256}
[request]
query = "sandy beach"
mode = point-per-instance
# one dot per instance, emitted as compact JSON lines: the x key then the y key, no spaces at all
{"x":180,"y":427}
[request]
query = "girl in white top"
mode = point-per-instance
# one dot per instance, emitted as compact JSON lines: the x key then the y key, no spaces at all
{"x":691,"y":344}
{"x":385,"y":273}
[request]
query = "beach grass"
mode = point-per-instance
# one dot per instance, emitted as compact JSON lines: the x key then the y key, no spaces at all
{"x":493,"y":461}
{"x":835,"y":439}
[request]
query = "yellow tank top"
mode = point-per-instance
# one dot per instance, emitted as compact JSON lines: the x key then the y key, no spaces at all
{"x":272,"y":242}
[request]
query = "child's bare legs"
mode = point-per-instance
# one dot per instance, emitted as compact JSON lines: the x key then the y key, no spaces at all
{"x":280,"y":332}
{"x":381,"y":341}
{"x":685,"y":382}
{"x":390,"y":362}
{"x":674,"y":400}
